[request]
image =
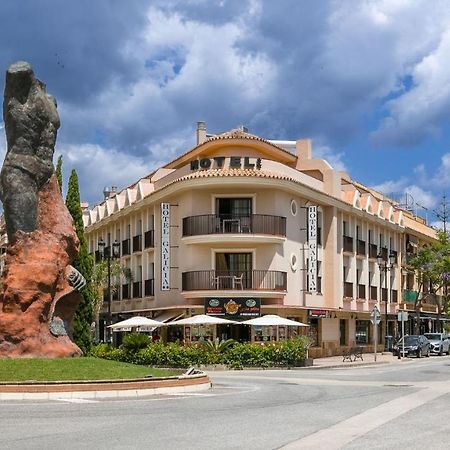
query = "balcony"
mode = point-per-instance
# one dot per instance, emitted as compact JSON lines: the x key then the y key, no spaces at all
{"x":348,"y":290}
{"x":149,"y":239}
{"x":227,"y":224}
{"x":137,"y":243}
{"x":361,"y":248}
{"x":409,"y":296}
{"x":362,"y":291}
{"x":373,"y":293}
{"x":137,"y":289}
{"x":126,"y":247}
{"x":373,"y":251}
{"x":228,"y":280}
{"x":348,"y":244}
{"x":149,"y":288}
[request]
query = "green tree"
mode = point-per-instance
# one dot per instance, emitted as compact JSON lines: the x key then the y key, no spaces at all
{"x":84,"y":264}
{"x":432,"y":268}
{"x":58,"y":172}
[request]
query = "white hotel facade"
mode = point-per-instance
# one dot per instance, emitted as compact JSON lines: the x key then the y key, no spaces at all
{"x":241,"y":226}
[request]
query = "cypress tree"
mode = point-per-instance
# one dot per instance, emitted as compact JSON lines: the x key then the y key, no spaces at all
{"x":84,"y":264}
{"x":58,"y":172}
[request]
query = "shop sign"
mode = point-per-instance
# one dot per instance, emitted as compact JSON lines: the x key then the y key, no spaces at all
{"x":312,"y":245}
{"x":165,"y":246}
{"x":317,"y":313}
{"x":233,"y":308}
{"x":222,"y":162}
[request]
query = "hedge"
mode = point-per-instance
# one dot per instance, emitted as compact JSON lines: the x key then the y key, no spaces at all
{"x":234,"y":355}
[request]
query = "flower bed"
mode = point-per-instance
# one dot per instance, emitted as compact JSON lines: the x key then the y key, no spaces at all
{"x":134,"y":350}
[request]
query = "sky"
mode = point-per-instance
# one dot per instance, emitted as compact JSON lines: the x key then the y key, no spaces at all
{"x":367,"y":80}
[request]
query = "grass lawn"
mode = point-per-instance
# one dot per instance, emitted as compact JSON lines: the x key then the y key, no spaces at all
{"x":66,"y":369}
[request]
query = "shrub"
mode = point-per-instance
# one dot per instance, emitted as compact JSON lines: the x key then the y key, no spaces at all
{"x":134,"y":342}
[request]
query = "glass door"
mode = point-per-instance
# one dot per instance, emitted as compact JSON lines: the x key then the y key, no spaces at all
{"x":234,"y":268}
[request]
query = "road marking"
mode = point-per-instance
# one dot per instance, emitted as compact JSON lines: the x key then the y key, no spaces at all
{"x":342,"y":433}
{"x":76,"y":400}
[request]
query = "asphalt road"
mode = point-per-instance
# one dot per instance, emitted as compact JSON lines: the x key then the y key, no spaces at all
{"x":403,"y":405}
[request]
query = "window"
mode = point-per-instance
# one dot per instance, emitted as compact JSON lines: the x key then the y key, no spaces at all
{"x":234,"y":262}
{"x":294,"y":207}
{"x":313,"y":332}
{"x":362,"y":332}
{"x":234,"y":207}
{"x":344,"y":228}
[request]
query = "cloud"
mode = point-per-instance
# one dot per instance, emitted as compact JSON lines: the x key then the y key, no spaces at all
{"x":334,"y":158}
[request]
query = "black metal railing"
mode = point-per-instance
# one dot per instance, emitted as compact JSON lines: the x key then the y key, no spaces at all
{"x":373,"y":251}
{"x":361,"y":247}
{"x":254,"y":280}
{"x":223,"y":224}
{"x":126,"y":291}
{"x":348,"y":244}
{"x":137,"y":243}
{"x":126,"y":247}
{"x":373,"y":293}
{"x":137,"y":289}
{"x":149,"y":288}
{"x":348,"y":290}
{"x":149,"y":239}
{"x":361,"y":291}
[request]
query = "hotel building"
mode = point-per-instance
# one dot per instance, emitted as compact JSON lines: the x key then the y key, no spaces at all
{"x":241,"y":226}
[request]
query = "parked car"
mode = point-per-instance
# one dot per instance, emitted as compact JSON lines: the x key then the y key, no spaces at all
{"x":439,"y":343}
{"x":414,"y":345}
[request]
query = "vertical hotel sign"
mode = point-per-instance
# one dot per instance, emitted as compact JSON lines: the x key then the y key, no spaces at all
{"x":165,"y":246}
{"x":312,"y":245}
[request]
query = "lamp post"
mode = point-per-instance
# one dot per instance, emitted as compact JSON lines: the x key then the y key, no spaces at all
{"x":385,"y":266}
{"x":106,"y":254}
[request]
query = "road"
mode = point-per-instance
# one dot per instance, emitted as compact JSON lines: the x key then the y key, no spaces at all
{"x":391,"y":406}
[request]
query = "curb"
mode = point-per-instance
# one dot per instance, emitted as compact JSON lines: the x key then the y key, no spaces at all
{"x":104,"y":389}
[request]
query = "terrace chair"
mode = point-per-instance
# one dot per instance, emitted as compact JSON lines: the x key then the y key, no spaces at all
{"x":245,"y":225}
{"x":238,"y":281}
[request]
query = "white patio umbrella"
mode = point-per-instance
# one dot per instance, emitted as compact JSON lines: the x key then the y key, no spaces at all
{"x":273,"y":320}
{"x":135,"y":322}
{"x":202,"y":319}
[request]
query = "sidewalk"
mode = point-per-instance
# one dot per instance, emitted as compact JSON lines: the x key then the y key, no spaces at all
{"x":368,"y":360}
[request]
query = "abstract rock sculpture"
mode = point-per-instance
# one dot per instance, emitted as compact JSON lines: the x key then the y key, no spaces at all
{"x":40,"y":286}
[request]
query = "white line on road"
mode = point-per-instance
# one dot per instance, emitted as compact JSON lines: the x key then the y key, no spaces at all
{"x":76,"y":400}
{"x":342,"y":433}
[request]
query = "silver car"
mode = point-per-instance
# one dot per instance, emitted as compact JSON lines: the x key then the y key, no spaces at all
{"x":439,"y":343}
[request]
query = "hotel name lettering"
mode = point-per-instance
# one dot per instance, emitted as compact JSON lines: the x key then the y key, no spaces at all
{"x":226,"y":162}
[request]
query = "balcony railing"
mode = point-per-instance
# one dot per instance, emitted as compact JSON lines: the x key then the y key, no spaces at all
{"x":348,"y":244}
{"x":361,"y":291}
{"x":126,"y":291}
{"x":373,"y":251}
{"x":137,"y":289}
{"x":149,"y":288}
{"x":361,"y":248}
{"x":126,"y":247}
{"x":254,"y":280}
{"x":348,"y":290}
{"x":223,"y":224}
{"x":149,"y":239}
{"x":409,"y":296}
{"x":137,"y":243}
{"x":394,"y":296}
{"x":373,"y":293}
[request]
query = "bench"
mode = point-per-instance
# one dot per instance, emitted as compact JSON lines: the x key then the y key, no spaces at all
{"x":354,"y":352}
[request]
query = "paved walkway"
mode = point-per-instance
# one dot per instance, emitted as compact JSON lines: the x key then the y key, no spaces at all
{"x":368,"y":359}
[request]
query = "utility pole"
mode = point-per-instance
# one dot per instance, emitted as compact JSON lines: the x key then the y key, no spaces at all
{"x":443,"y":212}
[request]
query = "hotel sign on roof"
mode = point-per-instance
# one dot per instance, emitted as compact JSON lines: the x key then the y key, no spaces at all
{"x":224,"y":162}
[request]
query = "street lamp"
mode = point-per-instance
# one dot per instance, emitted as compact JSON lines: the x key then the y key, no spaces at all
{"x":385,"y":266}
{"x":105,"y":254}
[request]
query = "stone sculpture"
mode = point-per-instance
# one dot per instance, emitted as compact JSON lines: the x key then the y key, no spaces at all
{"x":40,"y":287}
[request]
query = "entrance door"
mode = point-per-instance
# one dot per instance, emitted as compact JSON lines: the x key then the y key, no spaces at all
{"x":342,"y":332}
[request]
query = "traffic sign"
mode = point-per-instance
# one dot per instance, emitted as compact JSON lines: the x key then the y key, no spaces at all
{"x":402,"y":316}
{"x":375,"y":316}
